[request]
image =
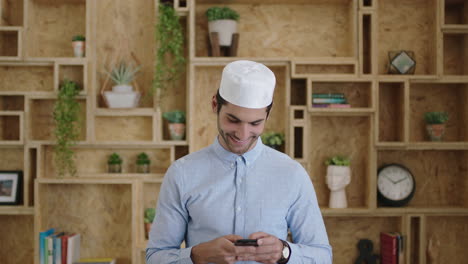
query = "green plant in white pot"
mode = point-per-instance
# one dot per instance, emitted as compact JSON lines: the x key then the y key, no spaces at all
{"x":338,"y":176}
{"x":435,"y":124}
{"x":143,"y":163}
{"x":122,"y":94}
{"x":176,"y":121}
{"x":222,"y":20}
{"x":114,"y":163}
{"x":78,"y":43}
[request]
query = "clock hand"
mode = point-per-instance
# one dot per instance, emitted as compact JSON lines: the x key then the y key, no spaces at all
{"x":386,"y":176}
{"x":400,"y":180}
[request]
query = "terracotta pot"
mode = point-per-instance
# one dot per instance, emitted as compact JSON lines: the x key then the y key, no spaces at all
{"x":147,"y":229}
{"x":78,"y":48}
{"x":435,"y":131}
{"x":177,"y":131}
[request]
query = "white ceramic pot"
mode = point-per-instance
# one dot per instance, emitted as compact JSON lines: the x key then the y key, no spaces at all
{"x":337,"y":179}
{"x":78,"y":48}
{"x":225,"y":29}
{"x":123,"y":88}
{"x":122,"y":100}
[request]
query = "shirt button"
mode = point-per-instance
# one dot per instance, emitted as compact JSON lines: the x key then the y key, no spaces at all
{"x":233,"y":165}
{"x":239,"y":159}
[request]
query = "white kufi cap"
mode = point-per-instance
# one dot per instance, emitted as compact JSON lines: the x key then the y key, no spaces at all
{"x":247,"y":84}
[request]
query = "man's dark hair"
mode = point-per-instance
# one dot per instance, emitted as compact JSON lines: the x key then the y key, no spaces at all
{"x":222,"y":102}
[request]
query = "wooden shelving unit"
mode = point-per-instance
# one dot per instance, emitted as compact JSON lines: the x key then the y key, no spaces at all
{"x":312,"y":46}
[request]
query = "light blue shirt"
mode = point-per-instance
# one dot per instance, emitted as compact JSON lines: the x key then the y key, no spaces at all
{"x":214,"y":192}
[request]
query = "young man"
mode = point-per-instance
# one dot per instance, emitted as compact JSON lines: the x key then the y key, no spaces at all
{"x":238,"y":188}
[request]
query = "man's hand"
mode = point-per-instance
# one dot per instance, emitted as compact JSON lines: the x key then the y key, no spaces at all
{"x":221,"y":250}
{"x":269,"y":249}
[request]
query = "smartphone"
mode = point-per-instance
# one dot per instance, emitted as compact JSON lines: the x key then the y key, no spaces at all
{"x":246,"y":242}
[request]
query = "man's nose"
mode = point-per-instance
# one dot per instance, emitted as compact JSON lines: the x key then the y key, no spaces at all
{"x":243,"y":132}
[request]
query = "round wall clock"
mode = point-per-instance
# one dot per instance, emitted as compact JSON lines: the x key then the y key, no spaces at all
{"x":395,"y":185}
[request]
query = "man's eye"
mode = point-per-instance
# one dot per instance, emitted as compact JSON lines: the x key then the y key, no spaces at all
{"x":233,"y":121}
{"x":255,"y":123}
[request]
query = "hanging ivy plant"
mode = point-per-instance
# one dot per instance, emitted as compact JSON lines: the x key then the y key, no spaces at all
{"x":170,"y":60}
{"x":66,"y":115}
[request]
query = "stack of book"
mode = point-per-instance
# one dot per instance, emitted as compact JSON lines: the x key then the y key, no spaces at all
{"x":58,"y":247}
{"x":391,"y":248}
{"x":329,"y":100}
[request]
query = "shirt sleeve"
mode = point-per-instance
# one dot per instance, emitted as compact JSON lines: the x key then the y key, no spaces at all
{"x":307,"y":227}
{"x":170,"y":223}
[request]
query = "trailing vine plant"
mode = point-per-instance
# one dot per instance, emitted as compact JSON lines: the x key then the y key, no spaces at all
{"x":67,"y":125}
{"x":170,"y":60}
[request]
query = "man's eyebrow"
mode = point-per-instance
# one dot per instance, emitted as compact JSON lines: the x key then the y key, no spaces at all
{"x":237,"y":119}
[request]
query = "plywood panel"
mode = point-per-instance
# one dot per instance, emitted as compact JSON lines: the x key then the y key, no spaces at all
{"x":10,"y":128}
{"x":391,"y":115}
{"x":11,"y":103}
{"x":11,"y":13}
{"x":357,"y":94}
{"x":102,"y":214}
{"x":91,"y":161}
{"x":446,"y":232}
{"x":438,"y":97}
{"x":9,"y":43}
{"x":287,"y":30}
{"x":442,"y":174}
{"x":415,"y":20}
{"x":150,"y":194}
{"x":344,"y":234}
{"x":455,"y":54}
{"x":132,"y":128}
{"x":330,"y":136}
{"x":51,"y":29}
{"x":11,"y":159}
{"x":17,"y":239}
{"x":27,"y":78}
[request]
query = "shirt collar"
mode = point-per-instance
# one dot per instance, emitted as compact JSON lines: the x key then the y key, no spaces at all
{"x":249,"y":157}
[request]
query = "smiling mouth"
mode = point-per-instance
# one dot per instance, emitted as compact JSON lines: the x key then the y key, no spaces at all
{"x":239,"y":142}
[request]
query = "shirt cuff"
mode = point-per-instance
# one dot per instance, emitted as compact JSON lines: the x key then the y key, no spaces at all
{"x":184,"y":256}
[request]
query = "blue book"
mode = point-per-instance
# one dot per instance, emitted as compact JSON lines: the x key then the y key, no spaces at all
{"x":42,"y":246}
{"x":58,"y":248}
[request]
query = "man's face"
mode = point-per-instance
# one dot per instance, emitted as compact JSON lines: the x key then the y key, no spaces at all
{"x":239,"y":127}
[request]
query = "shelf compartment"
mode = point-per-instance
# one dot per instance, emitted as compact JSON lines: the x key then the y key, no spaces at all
{"x":91,"y":162}
{"x":17,"y":239}
{"x":10,"y":43}
{"x":41,"y":121}
{"x":366,"y":47}
{"x":445,"y":231}
{"x":102,"y":215}
{"x":288,"y":29}
{"x":391,"y":117}
{"x":455,"y":54}
{"x":326,"y":139}
{"x":23,"y":77}
{"x":455,"y":12}
{"x":441,"y":173}
{"x":12,"y":158}
{"x":11,"y":103}
{"x":11,"y":125}
{"x":450,"y":97}
{"x":11,"y":13}
{"x":150,"y":197}
{"x":206,"y":79}
{"x":52,"y":37}
{"x":344,"y":240}
{"x":408,"y":18}
{"x":328,"y":66}
{"x":358,"y":93}
{"x":76,"y":72}
{"x":299,"y":92}
{"x":123,"y":128}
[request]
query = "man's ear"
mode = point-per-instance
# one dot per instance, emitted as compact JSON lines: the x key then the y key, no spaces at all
{"x":214,"y":104}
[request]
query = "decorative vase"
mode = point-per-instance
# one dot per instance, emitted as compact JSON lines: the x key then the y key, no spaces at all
{"x":225,"y":29}
{"x":114,"y":168}
{"x":78,"y":48}
{"x":143,"y":168}
{"x":122,"y":99}
{"x":337,"y":179}
{"x":435,"y":131}
{"x":177,"y":131}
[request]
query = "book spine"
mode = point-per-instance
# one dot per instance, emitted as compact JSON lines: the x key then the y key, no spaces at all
{"x":329,"y":100}
{"x":328,"y":95}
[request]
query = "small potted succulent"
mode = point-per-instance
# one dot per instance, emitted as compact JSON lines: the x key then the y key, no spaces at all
{"x":338,"y":176}
{"x":78,"y":43}
{"x":176,"y":121}
{"x":435,"y":124}
{"x":222,"y":20}
{"x":150,"y":213}
{"x":122,"y":94}
{"x":114,"y":163}
{"x":273,"y":139}
{"x":143,"y":163}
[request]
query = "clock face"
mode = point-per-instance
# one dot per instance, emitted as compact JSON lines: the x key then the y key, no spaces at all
{"x":395,"y":185}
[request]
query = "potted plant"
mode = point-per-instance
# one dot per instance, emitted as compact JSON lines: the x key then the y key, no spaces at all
{"x":78,"y":43}
{"x":114,"y":163}
{"x":170,"y":59}
{"x":150,"y":213}
{"x":67,"y":125}
{"x":176,"y":121}
{"x":222,"y":20}
{"x":143,"y":163}
{"x":338,"y":176}
{"x":273,"y":139}
{"x":435,"y":124}
{"x":122,"y":94}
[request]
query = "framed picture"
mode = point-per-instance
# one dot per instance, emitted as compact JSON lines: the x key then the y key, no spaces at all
{"x":11,"y":186}
{"x":401,"y":62}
